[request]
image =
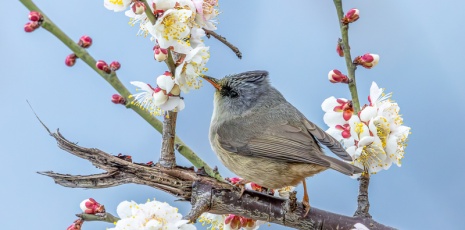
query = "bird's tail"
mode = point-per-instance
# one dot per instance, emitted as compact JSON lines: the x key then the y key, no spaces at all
{"x":342,"y":166}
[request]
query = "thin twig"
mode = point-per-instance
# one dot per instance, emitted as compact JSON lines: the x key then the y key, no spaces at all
{"x":363,"y":202}
{"x":224,"y":41}
{"x":106,"y":217}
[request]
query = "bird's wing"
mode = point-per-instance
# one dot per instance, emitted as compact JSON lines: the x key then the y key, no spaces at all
{"x":327,"y":140}
{"x":282,"y":142}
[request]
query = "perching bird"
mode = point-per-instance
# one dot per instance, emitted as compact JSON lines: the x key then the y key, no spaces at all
{"x":262,"y":138}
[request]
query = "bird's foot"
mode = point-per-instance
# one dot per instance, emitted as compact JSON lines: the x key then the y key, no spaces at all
{"x":307,"y":207}
{"x":239,"y":183}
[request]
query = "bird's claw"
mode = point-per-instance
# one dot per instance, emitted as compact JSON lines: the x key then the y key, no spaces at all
{"x":307,"y":207}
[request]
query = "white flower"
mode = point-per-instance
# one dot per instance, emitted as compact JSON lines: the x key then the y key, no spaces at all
{"x":212,"y":221}
{"x":173,"y":29}
{"x":117,"y":5}
{"x":150,"y":216}
{"x":193,"y":65}
{"x":156,"y":99}
{"x":206,"y":13}
{"x":375,"y":138}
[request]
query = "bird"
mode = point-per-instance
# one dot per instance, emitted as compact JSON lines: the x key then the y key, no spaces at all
{"x":262,"y":138}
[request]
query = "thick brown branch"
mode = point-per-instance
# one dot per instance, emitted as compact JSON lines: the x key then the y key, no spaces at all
{"x":363,"y":209}
{"x":224,"y":41}
{"x":204,"y":192}
{"x":167,"y":156}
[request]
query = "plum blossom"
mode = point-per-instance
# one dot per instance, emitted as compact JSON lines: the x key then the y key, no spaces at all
{"x":375,"y":137}
{"x":150,"y":215}
{"x":173,"y":29}
{"x":192,"y":66}
{"x":164,"y":97}
{"x":206,"y":13}
{"x":117,"y":5}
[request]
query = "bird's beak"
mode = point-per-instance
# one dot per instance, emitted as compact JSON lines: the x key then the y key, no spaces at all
{"x":212,"y":81}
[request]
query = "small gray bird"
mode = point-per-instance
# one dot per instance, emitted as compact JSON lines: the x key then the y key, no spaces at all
{"x":262,"y":138}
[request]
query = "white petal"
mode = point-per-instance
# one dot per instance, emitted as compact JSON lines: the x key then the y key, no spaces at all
{"x":143,"y":86}
{"x":82,"y":205}
{"x":181,"y":105}
{"x":375,"y":92}
{"x":333,"y":118}
{"x":352,"y":151}
{"x":124,"y":209}
{"x":159,"y":98}
{"x":368,"y":113}
{"x":329,"y":104}
{"x":170,"y":104}
{"x":165,"y":82}
{"x":366,"y":141}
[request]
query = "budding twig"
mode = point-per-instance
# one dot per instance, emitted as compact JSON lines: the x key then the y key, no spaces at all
{"x":363,"y":202}
{"x":350,"y":66}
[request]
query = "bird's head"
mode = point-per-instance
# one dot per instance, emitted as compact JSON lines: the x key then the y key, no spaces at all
{"x":239,"y":92}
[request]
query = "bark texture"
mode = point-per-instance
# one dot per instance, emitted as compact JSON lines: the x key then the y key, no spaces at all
{"x":205,"y":193}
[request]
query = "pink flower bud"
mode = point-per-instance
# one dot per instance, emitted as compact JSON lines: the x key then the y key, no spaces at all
{"x":345,"y":130}
{"x":138,"y":7}
{"x":76,"y":225}
{"x":335,"y":76}
{"x":367,"y":60}
{"x":90,"y":206}
{"x":351,"y":16}
{"x":31,"y":26}
{"x":160,"y":54}
{"x":234,"y":180}
{"x":340,"y":50}
{"x":70,"y":60}
{"x":248,"y":223}
{"x":233,"y":222}
{"x":118,"y":99}
{"x":102,"y":65}
{"x":115,"y":65}
{"x":35,"y":16}
{"x":125,"y":157}
{"x":85,"y":41}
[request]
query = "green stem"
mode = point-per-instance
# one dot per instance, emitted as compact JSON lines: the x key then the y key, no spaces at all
{"x":363,"y":202}
{"x":149,"y":13}
{"x":114,"y":81}
{"x":346,"y":47}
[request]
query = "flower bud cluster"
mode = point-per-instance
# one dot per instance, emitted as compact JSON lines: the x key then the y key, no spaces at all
{"x":35,"y":20}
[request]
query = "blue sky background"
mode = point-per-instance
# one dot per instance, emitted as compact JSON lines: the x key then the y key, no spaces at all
{"x":421,"y":49}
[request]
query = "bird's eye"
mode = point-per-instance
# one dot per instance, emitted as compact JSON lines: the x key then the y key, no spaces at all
{"x":233,"y":94}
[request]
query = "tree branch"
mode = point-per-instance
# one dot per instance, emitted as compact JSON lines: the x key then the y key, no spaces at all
{"x":168,"y":158}
{"x":106,"y":217}
{"x":113,"y":80}
{"x":363,"y":202}
{"x":224,"y":41}
{"x":204,"y":192}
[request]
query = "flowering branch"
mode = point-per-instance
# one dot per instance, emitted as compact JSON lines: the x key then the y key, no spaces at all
{"x":205,"y":193}
{"x":113,"y":80}
{"x":344,"y":42}
{"x":362,"y":200}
